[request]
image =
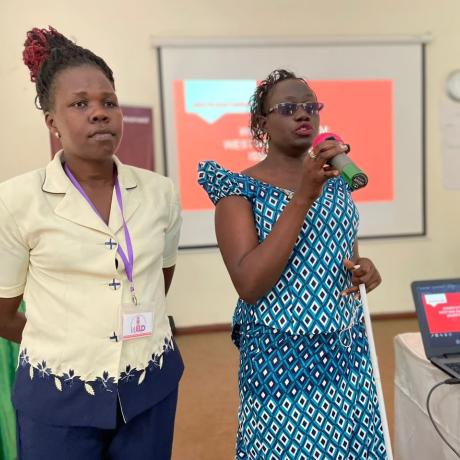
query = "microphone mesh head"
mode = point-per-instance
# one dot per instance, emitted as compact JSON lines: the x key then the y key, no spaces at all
{"x":325,"y":136}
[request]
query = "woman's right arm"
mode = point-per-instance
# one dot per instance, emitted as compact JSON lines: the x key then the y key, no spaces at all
{"x":254,"y":268}
{"x":12,"y":322}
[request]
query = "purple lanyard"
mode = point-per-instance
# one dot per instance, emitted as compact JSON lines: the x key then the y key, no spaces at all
{"x":127,"y":261}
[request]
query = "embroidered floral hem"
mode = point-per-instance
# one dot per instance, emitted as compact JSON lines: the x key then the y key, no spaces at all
{"x":71,"y":401}
{"x":105,"y":382}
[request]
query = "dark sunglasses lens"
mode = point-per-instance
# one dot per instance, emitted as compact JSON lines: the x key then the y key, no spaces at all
{"x":319,"y":106}
{"x":287,"y":109}
{"x":313,"y":107}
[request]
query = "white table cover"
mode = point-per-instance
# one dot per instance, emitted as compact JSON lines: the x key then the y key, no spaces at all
{"x":415,"y":436}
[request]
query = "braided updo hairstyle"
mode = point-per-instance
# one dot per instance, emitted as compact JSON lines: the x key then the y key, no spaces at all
{"x":257,"y":104}
{"x":48,"y":52}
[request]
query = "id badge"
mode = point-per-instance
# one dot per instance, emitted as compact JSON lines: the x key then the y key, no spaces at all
{"x":137,"y":321}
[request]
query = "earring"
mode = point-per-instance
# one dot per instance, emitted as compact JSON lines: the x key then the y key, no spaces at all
{"x":266,"y":143}
{"x":57,"y":135}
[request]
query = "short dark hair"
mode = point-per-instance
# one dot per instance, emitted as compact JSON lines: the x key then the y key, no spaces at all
{"x":257,"y":103}
{"x":48,"y":52}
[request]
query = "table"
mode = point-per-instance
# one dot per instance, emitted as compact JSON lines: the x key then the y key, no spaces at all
{"x":415,"y":436}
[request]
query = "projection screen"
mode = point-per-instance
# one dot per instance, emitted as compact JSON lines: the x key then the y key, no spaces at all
{"x":373,"y":91}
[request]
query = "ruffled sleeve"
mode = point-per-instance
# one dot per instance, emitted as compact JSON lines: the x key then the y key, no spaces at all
{"x":220,"y":183}
{"x":343,"y":185}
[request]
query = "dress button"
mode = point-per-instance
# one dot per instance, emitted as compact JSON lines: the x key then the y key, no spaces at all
{"x":111,"y":244}
{"x":114,"y":284}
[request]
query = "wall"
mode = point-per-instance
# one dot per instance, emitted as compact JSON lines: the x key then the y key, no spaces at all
{"x":122,"y":33}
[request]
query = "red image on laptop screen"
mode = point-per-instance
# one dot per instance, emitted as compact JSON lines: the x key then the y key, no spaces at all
{"x":442,"y":311}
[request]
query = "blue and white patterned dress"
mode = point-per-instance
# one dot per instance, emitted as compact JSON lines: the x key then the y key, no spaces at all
{"x":306,"y":384}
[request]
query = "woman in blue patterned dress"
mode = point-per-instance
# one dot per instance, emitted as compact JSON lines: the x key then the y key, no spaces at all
{"x":287,"y":229}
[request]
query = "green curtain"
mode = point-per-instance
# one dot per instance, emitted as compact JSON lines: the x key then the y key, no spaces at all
{"x":8,"y":362}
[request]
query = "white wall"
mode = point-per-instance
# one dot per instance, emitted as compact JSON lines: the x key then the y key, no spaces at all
{"x":121,"y":32}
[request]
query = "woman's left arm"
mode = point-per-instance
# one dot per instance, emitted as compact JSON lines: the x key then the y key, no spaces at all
{"x":363,"y":270}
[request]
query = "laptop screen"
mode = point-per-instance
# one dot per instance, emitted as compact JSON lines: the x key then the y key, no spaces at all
{"x":438,"y":310}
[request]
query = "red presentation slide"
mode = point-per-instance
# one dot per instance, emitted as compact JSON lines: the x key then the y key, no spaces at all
{"x":442,"y":312}
{"x":212,"y":119}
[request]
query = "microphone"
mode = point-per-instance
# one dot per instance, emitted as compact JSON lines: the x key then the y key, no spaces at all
{"x":355,"y":178}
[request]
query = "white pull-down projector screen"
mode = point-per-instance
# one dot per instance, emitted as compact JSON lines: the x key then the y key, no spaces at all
{"x":373,"y":91}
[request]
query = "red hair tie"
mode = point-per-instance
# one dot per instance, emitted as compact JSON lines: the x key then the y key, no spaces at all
{"x":37,"y":49}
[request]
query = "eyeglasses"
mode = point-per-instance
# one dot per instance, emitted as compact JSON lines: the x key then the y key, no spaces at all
{"x":290,"y":108}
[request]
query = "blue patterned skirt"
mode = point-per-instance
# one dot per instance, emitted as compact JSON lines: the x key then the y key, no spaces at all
{"x":307,"y":397}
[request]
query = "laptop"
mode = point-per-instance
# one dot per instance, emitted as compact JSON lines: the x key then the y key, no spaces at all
{"x":437,"y":303}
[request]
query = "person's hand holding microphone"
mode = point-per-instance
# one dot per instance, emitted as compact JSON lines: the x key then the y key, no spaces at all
{"x":317,"y":168}
{"x":355,"y":177}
